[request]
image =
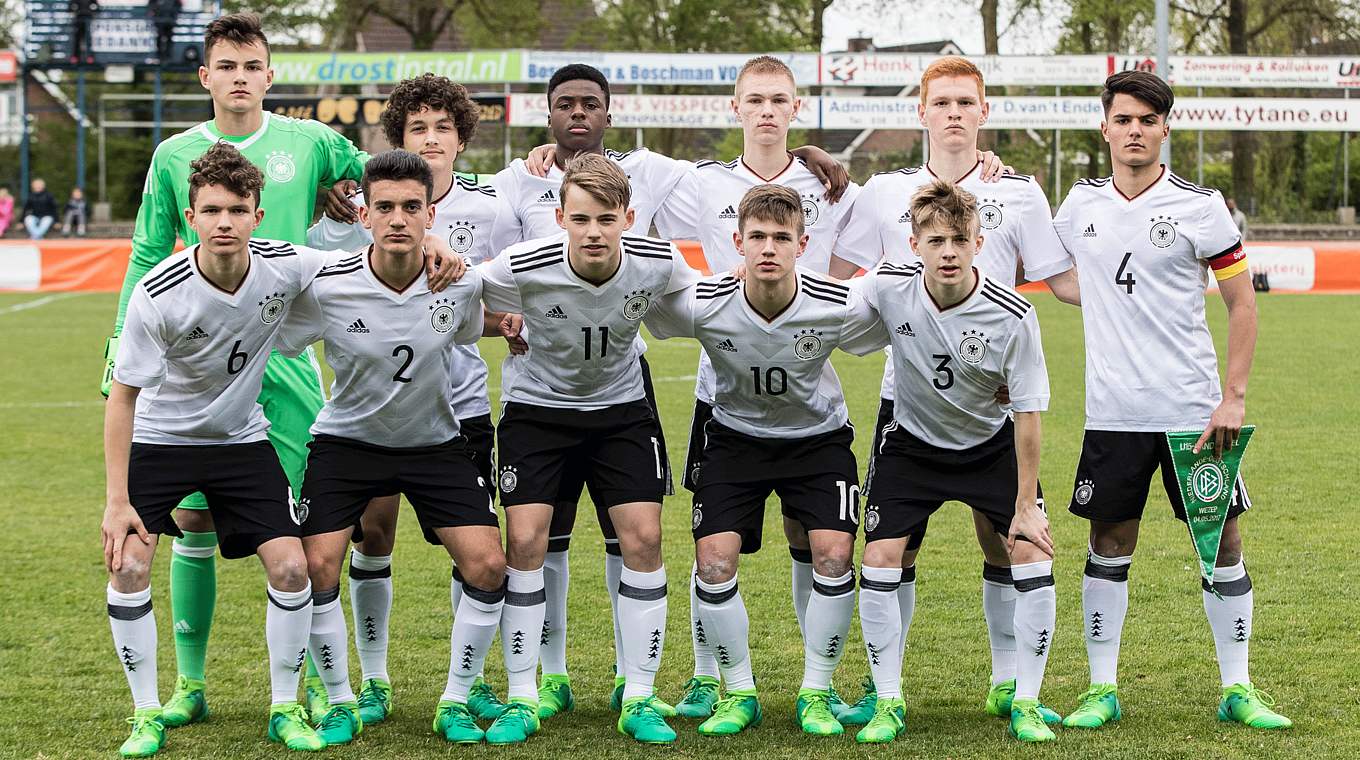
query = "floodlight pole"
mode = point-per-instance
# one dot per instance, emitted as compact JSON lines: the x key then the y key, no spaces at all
{"x":1163,"y":62}
{"x":80,"y":127}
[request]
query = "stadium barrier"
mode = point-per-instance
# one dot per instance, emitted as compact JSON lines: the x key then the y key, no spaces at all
{"x":99,"y":265}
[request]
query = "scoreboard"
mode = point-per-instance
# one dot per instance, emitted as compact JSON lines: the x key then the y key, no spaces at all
{"x":65,"y":33}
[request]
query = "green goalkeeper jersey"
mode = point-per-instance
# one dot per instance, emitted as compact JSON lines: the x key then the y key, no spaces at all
{"x":296,"y":156}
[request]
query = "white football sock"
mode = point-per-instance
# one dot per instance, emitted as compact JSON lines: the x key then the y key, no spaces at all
{"x":134,"y":640}
{"x":642,"y":623}
{"x":727,"y":628}
{"x":881,"y":621}
{"x":287,"y":626}
{"x":801,"y":575}
{"x":998,"y":607}
{"x":553,"y":643}
{"x":329,"y":649}
{"x":826,"y":625}
{"x":613,"y":569}
{"x":1036,"y":607}
{"x":1105,"y":602}
{"x":705,"y":661}
{"x":906,"y":603}
{"x":521,"y":626}
{"x":1230,"y":620}
{"x":474,"y":627}
{"x":370,"y":599}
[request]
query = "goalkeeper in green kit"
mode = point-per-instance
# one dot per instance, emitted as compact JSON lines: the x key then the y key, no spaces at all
{"x":296,"y":158}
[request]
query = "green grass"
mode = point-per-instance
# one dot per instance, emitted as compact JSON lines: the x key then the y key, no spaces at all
{"x":66,"y":695}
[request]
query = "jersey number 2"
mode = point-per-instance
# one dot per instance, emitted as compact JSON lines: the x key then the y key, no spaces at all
{"x":398,"y":377}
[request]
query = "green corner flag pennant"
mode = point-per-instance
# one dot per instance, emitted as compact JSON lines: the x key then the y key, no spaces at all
{"x":1207,"y":483}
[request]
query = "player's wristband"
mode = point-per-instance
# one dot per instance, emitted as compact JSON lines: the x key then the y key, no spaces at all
{"x":110,"y":351}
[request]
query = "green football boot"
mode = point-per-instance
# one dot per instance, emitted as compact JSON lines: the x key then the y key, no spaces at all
{"x":288,"y":724}
{"x":1027,"y":724}
{"x":375,"y":701}
{"x":701,"y":694}
{"x":641,"y":721}
{"x":814,"y":713}
{"x":148,"y":734}
{"x":861,"y":712}
{"x":554,"y":696}
{"x":340,"y":724}
{"x":738,"y":712}
{"x":889,"y":721}
{"x":483,"y":702}
{"x":1248,"y":705}
{"x":1098,"y":706}
{"x":517,"y":722}
{"x":314,"y":691}
{"x":616,"y":699}
{"x":453,"y":721}
{"x":187,"y":705}
{"x":999,"y":703}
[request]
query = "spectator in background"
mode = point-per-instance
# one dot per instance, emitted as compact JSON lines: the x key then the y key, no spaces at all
{"x":73,"y":214}
{"x":6,"y":210}
{"x":1239,"y":218}
{"x":40,"y":210}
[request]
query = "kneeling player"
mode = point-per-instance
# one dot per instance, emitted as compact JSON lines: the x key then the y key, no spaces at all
{"x":957,"y":335}
{"x":576,"y":400}
{"x":779,"y":425}
{"x":390,"y":426}
{"x":199,"y":330}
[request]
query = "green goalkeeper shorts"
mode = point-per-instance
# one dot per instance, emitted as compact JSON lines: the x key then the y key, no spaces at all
{"x":291,"y":397}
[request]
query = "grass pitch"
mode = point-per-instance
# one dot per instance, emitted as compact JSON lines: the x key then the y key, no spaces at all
{"x":67,"y":696}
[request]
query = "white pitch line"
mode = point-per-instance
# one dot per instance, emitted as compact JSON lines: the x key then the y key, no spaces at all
{"x":35,"y":303}
{"x":50,"y":404}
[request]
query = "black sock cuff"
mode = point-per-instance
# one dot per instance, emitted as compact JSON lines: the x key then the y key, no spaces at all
{"x":483,"y":596}
{"x":838,"y":590}
{"x":524,"y":598}
{"x":1238,"y":587}
{"x":612,"y":548}
{"x":1118,"y":574}
{"x":121,"y":612}
{"x":325,"y":596}
{"x":360,"y":574}
{"x":997,"y":574}
{"x":561,"y":543}
{"x":714,"y":597}
{"x":642,"y":594}
{"x":1033,"y":584}
{"x":909,"y":574}
{"x":288,"y":608}
{"x":872,"y":585}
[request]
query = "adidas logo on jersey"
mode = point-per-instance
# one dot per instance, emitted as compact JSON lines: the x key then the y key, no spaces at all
{"x":905,"y":218}
{"x":905,"y":329}
{"x":548,"y":197}
{"x":197,"y":334}
{"x":555,"y":313}
{"x":357,"y":327}
{"x":728,"y":213}
{"x":726,"y":345}
{"x":1089,"y":232}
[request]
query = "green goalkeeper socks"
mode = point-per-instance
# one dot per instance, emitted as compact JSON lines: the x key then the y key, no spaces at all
{"x":193,"y":595}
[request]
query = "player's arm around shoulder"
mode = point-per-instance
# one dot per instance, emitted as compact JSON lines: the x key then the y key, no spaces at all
{"x":863,"y":330}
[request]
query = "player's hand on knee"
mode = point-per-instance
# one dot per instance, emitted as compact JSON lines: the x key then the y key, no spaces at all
{"x":541,"y":159}
{"x":1225,"y":425}
{"x":1031,"y":523}
{"x":992,"y":166}
{"x":338,"y":204}
{"x":120,"y":519}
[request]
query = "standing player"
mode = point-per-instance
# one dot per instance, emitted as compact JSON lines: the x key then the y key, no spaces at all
{"x":295,"y":157}
{"x":576,"y":401}
{"x":1015,"y":218}
{"x":779,"y":425}
{"x":391,"y":424}
{"x":199,"y":330}
{"x":578,"y":101}
{"x":1144,"y":240}
{"x":957,"y":334}
{"x":434,"y":118}
{"x":704,"y":208}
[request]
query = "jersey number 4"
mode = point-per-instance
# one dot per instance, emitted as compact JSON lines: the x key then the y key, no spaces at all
{"x":1125,"y":276}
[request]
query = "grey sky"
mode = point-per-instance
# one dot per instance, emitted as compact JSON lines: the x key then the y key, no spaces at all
{"x":933,"y":20}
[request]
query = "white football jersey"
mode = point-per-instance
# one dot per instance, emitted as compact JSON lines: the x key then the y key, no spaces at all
{"x":478,"y":224}
{"x":950,"y":363}
{"x":391,"y":351}
{"x":535,"y":200}
{"x":1016,"y":227}
{"x":1142,"y":263}
{"x":774,"y":378}
{"x":198,"y":352}
{"x":704,"y":206}
{"x":583,"y":346}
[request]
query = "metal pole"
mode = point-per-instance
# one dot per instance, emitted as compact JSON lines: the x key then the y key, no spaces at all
{"x":637,"y":134}
{"x":80,"y":128}
{"x":23,"y":132}
{"x":103,"y":158}
{"x":1346,"y":160}
{"x":156,"y":109}
{"x":1199,"y":139}
{"x":505,"y":126}
{"x":1163,"y":62}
